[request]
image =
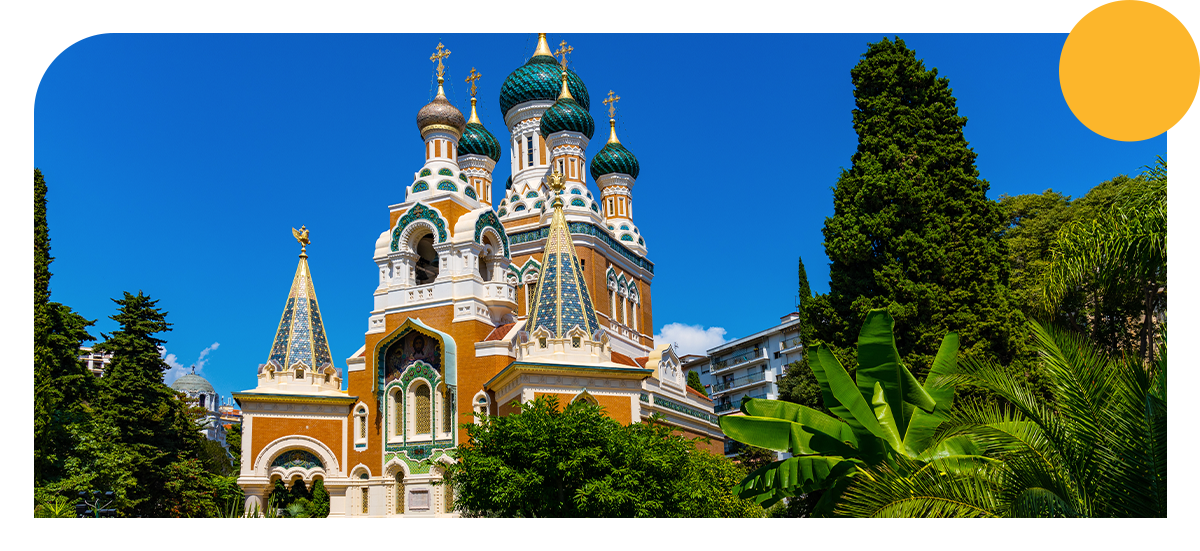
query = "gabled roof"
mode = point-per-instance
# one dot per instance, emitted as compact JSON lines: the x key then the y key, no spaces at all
{"x":498,"y":333}
{"x":301,"y":333}
{"x":620,"y":358}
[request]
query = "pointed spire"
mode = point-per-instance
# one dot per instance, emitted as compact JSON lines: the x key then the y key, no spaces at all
{"x":611,"y":102}
{"x":474,"y":117}
{"x":562,"y":300}
{"x":542,"y":48}
{"x":612,"y":131}
{"x":301,"y":333}
{"x":565,"y":93}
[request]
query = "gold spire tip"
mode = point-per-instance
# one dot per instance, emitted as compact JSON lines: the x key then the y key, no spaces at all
{"x":301,"y":236}
{"x":542,"y":47}
{"x":474,"y":117}
{"x":565,"y":92}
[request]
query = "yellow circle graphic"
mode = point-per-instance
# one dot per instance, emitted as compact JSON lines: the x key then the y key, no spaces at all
{"x":1129,"y":70}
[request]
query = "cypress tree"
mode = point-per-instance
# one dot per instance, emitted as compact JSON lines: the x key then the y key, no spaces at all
{"x":913,"y":230}
{"x":151,"y":421}
{"x":804,"y":295}
{"x":61,"y":383}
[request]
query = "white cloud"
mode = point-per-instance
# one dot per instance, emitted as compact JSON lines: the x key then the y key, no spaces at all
{"x":690,"y":339}
{"x":178,"y":370}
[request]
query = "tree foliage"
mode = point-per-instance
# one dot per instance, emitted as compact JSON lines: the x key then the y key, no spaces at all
{"x":1099,"y":451}
{"x":547,"y":461}
{"x":151,"y":423}
{"x":693,"y":380}
{"x":913,"y":230}
{"x":62,"y":386}
{"x":803,"y":296}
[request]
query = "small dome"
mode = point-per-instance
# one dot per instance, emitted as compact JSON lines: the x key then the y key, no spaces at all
{"x":476,"y":140}
{"x":192,"y":383}
{"x":440,"y":112}
{"x":567,"y":114}
{"x":614,"y":159}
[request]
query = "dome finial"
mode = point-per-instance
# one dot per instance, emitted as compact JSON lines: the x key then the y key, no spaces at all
{"x":471,"y":79}
{"x":301,"y":235}
{"x":441,"y":69}
{"x":611,"y":102}
{"x":542,"y":47}
{"x":563,"y":50}
{"x":565,"y":93}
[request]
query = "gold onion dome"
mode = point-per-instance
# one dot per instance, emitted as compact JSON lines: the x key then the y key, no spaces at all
{"x":440,"y":115}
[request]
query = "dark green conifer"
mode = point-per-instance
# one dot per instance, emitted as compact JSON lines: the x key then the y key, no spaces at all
{"x":913,"y":230}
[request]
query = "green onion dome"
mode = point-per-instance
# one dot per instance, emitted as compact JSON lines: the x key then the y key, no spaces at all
{"x":614,"y":158}
{"x":567,"y":114}
{"x":476,"y":140}
{"x":191,"y":382}
{"x":538,"y":79}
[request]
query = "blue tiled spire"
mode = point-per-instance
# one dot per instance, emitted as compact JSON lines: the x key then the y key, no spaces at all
{"x":562,"y":300}
{"x":301,"y":334}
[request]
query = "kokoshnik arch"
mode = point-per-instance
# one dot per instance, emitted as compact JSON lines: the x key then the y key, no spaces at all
{"x":478,"y":306}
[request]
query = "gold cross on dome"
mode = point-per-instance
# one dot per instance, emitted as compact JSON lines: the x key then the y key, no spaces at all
{"x":439,"y":56}
{"x":471,"y":79}
{"x":563,"y":50}
{"x":611,"y":102}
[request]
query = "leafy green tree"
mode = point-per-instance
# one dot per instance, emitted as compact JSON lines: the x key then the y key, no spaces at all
{"x":882,"y":416}
{"x":913,"y":230}
{"x":189,"y":491}
{"x":62,"y":386}
{"x":693,"y":380}
{"x":799,"y":385}
{"x":546,"y":461}
{"x":1100,"y":451}
{"x":233,"y":441}
{"x":803,"y":296}
{"x":753,"y":457}
{"x":152,"y":424}
{"x":1123,"y":249}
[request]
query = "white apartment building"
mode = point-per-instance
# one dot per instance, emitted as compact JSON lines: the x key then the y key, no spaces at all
{"x":749,"y":367}
{"x":96,"y":362}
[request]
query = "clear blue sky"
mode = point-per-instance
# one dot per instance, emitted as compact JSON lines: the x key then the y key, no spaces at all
{"x":178,"y":163}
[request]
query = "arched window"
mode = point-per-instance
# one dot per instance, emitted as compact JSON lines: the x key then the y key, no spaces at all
{"x":300,"y":374}
{"x":399,"y":492}
{"x":395,"y":403}
{"x":360,"y":419}
{"x":201,"y":400}
{"x":481,"y":407}
{"x":427,"y":267}
{"x":422,"y":410}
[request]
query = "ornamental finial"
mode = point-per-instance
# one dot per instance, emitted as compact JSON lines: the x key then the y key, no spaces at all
{"x":611,"y":102}
{"x":563,"y":50}
{"x":438,"y":57}
{"x":542,"y":47}
{"x":556,"y":181}
{"x":471,"y":80}
{"x":301,"y":235}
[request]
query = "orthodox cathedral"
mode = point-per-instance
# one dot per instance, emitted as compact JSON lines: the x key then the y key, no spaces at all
{"x":479,"y":307}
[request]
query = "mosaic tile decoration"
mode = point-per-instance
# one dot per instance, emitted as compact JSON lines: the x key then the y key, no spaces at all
{"x":567,"y":114}
{"x":300,"y":336}
{"x":476,"y":140}
{"x":514,"y":198}
{"x":641,"y":241}
{"x":626,"y":237}
{"x":489,"y":220}
{"x":421,"y":212}
{"x":595,"y":208}
{"x":562,"y":301}
{"x":540,"y":79}
{"x":529,"y":195}
{"x":538,"y":204}
{"x":421,"y":185}
{"x":447,"y":185}
{"x":297,"y":458}
{"x":425,"y":172}
{"x":470,"y":192}
{"x":576,"y":192}
{"x":586,"y":228}
{"x":462,"y":176}
{"x":503,"y":211}
{"x":660,"y":401}
{"x":625,"y":227}
{"x":519,"y":208}
{"x":578,"y":203}
{"x":445,"y":172}
{"x":614,"y":159}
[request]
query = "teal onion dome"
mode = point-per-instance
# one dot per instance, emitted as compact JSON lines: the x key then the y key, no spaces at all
{"x":476,"y":140}
{"x":539,"y":79}
{"x":614,"y":158}
{"x":567,"y":114}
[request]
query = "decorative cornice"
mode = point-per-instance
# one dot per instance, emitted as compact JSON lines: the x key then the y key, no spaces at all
{"x":293,"y":398}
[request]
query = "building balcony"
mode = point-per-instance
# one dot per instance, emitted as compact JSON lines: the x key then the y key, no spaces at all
{"x":790,"y":345}
{"x":746,"y":381}
{"x":742,"y":360}
{"x":721,"y":408}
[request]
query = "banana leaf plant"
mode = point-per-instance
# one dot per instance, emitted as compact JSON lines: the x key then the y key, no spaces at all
{"x":883,"y":416}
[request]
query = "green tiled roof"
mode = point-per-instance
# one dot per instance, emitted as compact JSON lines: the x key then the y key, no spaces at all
{"x":540,"y":78}
{"x":567,"y":114}
{"x":476,"y":140}
{"x":614,"y":159}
